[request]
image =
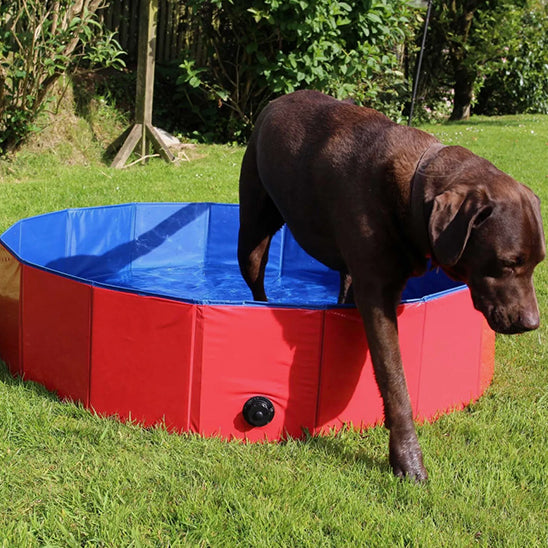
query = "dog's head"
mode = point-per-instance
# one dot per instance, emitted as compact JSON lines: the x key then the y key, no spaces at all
{"x":486,"y":230}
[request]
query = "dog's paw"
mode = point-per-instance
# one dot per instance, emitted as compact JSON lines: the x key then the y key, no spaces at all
{"x":406,"y":459}
{"x":414,"y":471}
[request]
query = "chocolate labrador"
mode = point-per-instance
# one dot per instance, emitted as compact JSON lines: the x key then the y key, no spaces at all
{"x":375,"y":200}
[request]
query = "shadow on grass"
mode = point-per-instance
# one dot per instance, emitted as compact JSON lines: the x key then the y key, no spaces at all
{"x":337,"y":445}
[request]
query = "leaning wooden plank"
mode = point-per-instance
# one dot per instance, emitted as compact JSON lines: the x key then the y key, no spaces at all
{"x":127,"y":148}
{"x":158,"y":144}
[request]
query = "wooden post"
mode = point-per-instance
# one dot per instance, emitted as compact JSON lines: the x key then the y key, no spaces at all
{"x":143,"y":131}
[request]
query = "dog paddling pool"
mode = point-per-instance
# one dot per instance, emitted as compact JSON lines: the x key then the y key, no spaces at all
{"x":139,"y":311}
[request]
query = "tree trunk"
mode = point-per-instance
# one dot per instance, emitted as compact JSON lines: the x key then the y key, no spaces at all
{"x":465,"y":76}
{"x":464,"y":88}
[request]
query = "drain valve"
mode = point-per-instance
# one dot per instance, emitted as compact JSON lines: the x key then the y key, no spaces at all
{"x":258,"y":411}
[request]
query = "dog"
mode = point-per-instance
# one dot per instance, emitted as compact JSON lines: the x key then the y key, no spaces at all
{"x":376,"y":201}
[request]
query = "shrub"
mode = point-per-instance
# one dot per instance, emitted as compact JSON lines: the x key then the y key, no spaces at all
{"x":259,"y":49}
{"x":39,"y":41}
{"x":518,"y":80}
{"x":487,"y":57}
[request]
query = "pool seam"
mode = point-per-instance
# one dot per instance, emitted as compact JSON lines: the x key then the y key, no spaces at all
{"x":90,"y":352}
{"x":320,"y":371}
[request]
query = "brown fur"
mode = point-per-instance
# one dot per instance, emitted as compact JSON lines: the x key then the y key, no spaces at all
{"x":374,"y":200}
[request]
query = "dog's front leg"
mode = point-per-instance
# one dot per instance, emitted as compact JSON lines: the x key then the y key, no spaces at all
{"x":378,"y":310}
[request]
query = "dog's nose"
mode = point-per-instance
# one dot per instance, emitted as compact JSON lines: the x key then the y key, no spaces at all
{"x":526,"y":321}
{"x":529,"y":320}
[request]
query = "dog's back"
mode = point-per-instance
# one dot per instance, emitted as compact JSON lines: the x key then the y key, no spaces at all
{"x":303,"y":146}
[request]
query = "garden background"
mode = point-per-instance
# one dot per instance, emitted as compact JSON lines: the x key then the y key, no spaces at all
{"x":69,"y":478}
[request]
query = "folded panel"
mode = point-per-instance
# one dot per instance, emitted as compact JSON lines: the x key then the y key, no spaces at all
{"x":56,"y":333}
{"x":99,"y":241}
{"x":411,"y":318}
{"x":142,"y":349}
{"x":10,"y":316}
{"x":247,"y":352}
{"x":43,"y":238}
{"x":222,"y":242}
{"x":426,"y":286}
{"x":348,"y":388}
{"x":11,"y":238}
{"x":452,"y":354}
{"x":170,"y":235}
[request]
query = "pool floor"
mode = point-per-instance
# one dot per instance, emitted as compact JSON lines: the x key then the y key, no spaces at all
{"x":224,"y":284}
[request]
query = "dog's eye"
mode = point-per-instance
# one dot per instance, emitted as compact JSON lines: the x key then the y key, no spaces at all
{"x":515,"y":262}
{"x":520,"y":261}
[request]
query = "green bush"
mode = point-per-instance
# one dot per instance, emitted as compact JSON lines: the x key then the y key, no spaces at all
{"x":487,"y":57}
{"x":518,"y":80}
{"x":39,"y":41}
{"x":259,"y":49}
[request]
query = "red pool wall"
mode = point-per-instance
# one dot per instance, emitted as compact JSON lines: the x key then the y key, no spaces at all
{"x":193,"y":367}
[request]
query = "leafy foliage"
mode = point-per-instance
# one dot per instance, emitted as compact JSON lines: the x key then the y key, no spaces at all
{"x":263,"y":48}
{"x":518,"y":80}
{"x":495,"y":43}
{"x":39,"y":41}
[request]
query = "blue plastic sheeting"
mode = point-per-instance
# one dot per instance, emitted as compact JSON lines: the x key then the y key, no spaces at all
{"x":185,"y":251}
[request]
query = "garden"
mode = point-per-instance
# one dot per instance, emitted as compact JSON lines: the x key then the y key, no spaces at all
{"x":71,"y":478}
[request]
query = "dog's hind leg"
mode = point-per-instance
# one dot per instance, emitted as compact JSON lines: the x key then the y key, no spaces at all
{"x":259,"y":221}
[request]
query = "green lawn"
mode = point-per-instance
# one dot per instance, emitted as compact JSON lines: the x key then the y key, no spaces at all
{"x":37,"y":184}
{"x":68,"y":478}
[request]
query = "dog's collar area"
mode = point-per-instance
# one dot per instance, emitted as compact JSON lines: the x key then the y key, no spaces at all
{"x":418,"y":215}
{"x":425,"y":158}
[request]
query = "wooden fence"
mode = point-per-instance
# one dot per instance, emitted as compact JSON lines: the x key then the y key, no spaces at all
{"x":176,"y":32}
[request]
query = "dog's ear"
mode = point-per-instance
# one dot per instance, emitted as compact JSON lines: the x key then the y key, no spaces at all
{"x":454,"y":214}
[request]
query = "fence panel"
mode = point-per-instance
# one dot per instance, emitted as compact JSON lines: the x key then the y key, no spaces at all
{"x":175,"y":31}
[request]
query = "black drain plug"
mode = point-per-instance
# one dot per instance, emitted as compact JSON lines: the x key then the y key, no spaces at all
{"x":258,"y":411}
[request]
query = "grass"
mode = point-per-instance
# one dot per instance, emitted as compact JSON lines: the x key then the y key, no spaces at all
{"x":69,"y":478}
{"x":39,"y":183}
